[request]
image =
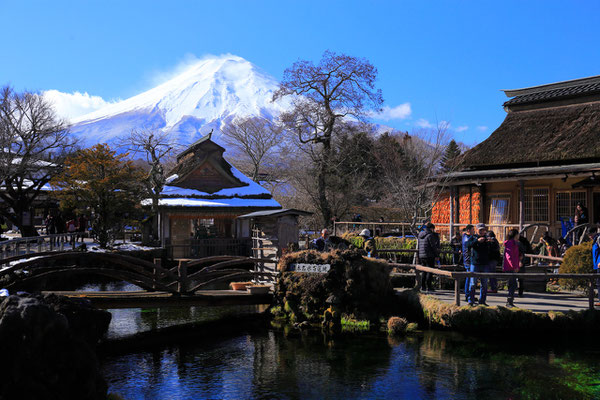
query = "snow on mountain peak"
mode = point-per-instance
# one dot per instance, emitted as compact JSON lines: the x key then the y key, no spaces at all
{"x":206,"y":94}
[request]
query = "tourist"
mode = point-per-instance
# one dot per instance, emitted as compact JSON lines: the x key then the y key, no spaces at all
{"x":429,"y":252}
{"x":456,"y":244}
{"x":322,"y":243}
{"x":581,"y":214}
{"x":511,"y":263}
{"x":50,"y":223}
{"x":495,"y":259}
{"x":595,"y":238}
{"x":82,"y":224}
{"x":368,"y":243}
{"x":71,"y":229}
{"x":467,"y":233}
{"x":479,"y":247}
{"x":563,"y":246}
{"x":524,"y":249}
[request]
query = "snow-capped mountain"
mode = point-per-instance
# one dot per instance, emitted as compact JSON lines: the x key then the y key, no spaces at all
{"x":206,"y":95}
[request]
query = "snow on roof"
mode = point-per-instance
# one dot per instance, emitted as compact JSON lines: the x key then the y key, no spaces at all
{"x":269,"y":213}
{"x":252,"y":189}
{"x":234,"y":202}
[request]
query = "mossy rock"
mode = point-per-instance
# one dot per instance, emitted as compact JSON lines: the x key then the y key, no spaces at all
{"x":362,"y":285}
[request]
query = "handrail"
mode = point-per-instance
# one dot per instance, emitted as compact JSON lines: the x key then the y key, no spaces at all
{"x":456,"y":276}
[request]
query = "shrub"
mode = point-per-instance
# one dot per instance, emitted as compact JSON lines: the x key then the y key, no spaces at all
{"x":577,"y":260}
{"x":396,"y":326}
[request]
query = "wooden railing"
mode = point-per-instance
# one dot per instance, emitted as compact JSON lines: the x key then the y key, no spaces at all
{"x":37,"y":244}
{"x":200,"y":248}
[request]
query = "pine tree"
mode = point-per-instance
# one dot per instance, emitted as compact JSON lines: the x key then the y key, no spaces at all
{"x":451,"y":157}
{"x":100,"y":181}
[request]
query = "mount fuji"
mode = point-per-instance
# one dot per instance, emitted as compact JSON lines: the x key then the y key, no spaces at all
{"x":205,"y":96}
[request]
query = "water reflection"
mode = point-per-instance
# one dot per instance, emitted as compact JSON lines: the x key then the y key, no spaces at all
{"x":432,"y":365}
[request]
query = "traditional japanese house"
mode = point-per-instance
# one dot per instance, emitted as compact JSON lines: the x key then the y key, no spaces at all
{"x":201,"y":201}
{"x":536,"y":166}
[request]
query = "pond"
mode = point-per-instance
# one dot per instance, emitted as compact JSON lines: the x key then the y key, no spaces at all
{"x":269,"y":363}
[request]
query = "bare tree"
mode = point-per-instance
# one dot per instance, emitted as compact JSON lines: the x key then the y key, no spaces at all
{"x":322,"y":96}
{"x":157,"y":149}
{"x":33,"y":146}
{"x":256,"y":139}
{"x":411,"y":171}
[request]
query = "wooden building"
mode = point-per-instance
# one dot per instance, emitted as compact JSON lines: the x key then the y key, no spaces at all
{"x":541,"y":161}
{"x":202,"y":199}
{"x":271,"y":231}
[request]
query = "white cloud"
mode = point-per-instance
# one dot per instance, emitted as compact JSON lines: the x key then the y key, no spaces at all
{"x":461,"y":128}
{"x":482,"y":128}
{"x":401,"y":111}
{"x":423,"y":123}
{"x":73,"y":105}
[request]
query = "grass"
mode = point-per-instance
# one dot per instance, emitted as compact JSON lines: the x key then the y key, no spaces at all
{"x":354,"y":325}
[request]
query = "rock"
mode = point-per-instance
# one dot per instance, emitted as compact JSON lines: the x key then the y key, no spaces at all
{"x":47,"y":348}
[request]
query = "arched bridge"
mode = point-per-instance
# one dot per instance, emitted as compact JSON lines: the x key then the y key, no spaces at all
{"x":184,"y":279}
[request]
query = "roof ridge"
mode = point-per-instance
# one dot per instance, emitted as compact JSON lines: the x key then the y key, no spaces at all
{"x":551,"y":86}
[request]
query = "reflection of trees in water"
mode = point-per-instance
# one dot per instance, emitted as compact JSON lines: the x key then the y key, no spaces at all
{"x":312,"y":364}
{"x":479,"y":368}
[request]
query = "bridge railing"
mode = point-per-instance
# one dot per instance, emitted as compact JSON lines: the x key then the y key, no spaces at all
{"x":37,"y":244}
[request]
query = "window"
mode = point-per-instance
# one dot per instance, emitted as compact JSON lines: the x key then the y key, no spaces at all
{"x":499,"y":209}
{"x":566,"y":202}
{"x":536,"y":205}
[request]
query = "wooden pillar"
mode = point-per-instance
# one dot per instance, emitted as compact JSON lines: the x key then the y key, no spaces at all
{"x":457,"y":292}
{"x":451,"y":230}
{"x":182,"y":285}
{"x":521,"y":205}
{"x":591,"y":294}
{"x":156,"y":273}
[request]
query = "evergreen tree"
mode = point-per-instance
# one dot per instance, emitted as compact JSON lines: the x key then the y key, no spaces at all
{"x":450,"y":158}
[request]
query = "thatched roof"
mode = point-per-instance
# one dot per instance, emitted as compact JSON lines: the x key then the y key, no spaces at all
{"x":545,"y":136}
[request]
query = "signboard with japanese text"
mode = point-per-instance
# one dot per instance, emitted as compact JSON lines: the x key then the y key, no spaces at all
{"x":313,"y":268}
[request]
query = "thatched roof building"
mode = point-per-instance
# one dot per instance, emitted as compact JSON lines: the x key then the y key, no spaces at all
{"x":537,"y":165}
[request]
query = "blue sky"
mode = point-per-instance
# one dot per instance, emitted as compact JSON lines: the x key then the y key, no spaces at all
{"x":448,"y":60}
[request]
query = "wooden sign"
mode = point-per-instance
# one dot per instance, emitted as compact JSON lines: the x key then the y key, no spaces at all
{"x":313,"y":268}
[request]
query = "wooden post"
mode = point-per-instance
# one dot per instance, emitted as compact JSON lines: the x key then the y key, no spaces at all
{"x":39,"y":245}
{"x":457,"y":292}
{"x":522,"y":205}
{"x":451,"y":228}
{"x":182,"y":285}
{"x":27,"y":247}
{"x":157,"y":265}
{"x":591,"y":294}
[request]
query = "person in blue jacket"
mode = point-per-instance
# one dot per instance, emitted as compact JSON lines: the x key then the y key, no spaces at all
{"x":593,"y":233}
{"x":467,"y":233}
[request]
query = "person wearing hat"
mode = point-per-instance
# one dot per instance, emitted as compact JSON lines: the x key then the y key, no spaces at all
{"x":479,"y":247}
{"x":429,"y":252}
{"x":369,"y":242}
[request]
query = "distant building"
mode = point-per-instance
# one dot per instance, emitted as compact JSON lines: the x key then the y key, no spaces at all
{"x":541,"y":161}
{"x":204,"y":195}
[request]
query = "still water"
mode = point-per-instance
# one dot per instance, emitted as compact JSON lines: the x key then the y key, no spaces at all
{"x":273,"y":364}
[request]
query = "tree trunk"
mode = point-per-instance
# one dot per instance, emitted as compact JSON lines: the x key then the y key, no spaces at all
{"x":322,"y":184}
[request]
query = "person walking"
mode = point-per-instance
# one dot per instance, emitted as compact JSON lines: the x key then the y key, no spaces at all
{"x":456,"y":244}
{"x":322,"y":243}
{"x":524,"y":248}
{"x":495,"y":259}
{"x":82,"y":224}
{"x":429,"y":253}
{"x":480,"y":258}
{"x":511,"y":262}
{"x":467,"y":233}
{"x":71,"y":229}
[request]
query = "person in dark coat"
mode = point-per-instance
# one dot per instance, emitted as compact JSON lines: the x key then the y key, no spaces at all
{"x":524,"y":248}
{"x":429,"y":253}
{"x":495,"y":259}
{"x":479,"y":246}
{"x":468,"y":232}
{"x":581,"y":215}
